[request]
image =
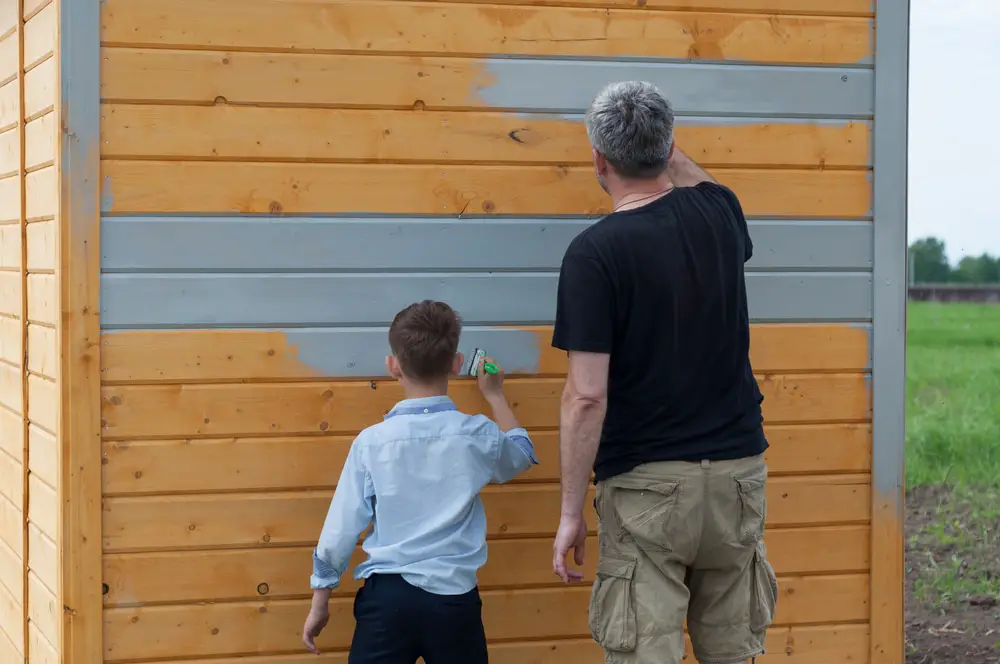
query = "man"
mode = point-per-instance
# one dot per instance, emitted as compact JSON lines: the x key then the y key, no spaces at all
{"x":661,"y":402}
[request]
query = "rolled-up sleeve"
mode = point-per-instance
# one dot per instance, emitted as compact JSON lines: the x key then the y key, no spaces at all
{"x":515,"y":454}
{"x":350,"y":512}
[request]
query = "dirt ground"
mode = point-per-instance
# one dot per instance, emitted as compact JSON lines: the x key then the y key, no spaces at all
{"x":953,"y":577}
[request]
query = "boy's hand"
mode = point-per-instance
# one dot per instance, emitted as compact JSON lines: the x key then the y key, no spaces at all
{"x":315,"y":622}
{"x":491,"y":385}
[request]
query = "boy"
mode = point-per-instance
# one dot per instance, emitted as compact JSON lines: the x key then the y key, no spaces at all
{"x":416,"y":477}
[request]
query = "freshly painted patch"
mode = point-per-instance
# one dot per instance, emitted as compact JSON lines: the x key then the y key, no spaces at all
{"x":568,"y":86}
{"x":359,"y":299}
{"x":335,"y":244}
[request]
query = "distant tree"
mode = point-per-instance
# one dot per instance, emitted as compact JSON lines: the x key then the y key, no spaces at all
{"x":929,"y":261}
{"x":982,"y":269}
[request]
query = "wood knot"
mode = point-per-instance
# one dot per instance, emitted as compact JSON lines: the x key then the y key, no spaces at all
{"x":262,"y":609}
{"x":270,"y":352}
{"x":503,"y":527}
{"x":137,"y":474}
{"x":191,"y":526}
{"x":328,"y":394}
{"x":220,"y":101}
{"x":323,"y":426}
{"x":225,"y":61}
{"x":266,"y":538}
{"x":116,"y":400}
{"x":488,"y":207}
{"x":374,"y":385}
{"x":419,"y":105}
{"x":274,"y":207}
{"x":263,"y":589}
{"x":134,"y":620}
{"x":215,"y":631}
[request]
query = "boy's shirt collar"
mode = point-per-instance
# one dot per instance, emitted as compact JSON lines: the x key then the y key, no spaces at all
{"x":422,"y":406}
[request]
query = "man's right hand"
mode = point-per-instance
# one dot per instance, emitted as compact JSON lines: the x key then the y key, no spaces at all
{"x":491,"y":385}
{"x":572,"y":534}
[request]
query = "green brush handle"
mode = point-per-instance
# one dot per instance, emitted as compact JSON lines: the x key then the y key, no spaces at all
{"x":490,"y":368}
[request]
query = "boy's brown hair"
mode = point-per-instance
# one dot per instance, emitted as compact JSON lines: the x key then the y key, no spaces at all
{"x":424,"y":338}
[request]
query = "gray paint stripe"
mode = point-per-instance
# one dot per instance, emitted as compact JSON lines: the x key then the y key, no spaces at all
{"x":315,"y":300}
{"x":568,"y":86}
{"x":220,"y":244}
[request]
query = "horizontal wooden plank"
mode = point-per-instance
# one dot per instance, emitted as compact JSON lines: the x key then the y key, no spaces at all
{"x":11,"y":526}
{"x":11,"y":480}
{"x":43,"y":558}
{"x":42,"y":254}
{"x":825,"y":644}
{"x":10,"y":199}
{"x":378,"y":26}
{"x":9,"y":104}
{"x":248,"y":574}
{"x":10,"y":293}
{"x":32,"y":7}
{"x":10,"y":340}
{"x":10,"y":247}
{"x":172,"y":411}
{"x":40,"y":89}
{"x":43,"y":403}
{"x":40,"y":36}
{"x":10,"y":152}
{"x":44,"y":609}
{"x":11,"y":571}
{"x":40,"y":141}
{"x":373,"y":299}
{"x":252,"y":464}
{"x":241,"y":355}
{"x":43,"y":507}
{"x":40,"y":651}
{"x":43,"y":351}
{"x":41,"y":192}
{"x":11,"y":387}
{"x":337,"y":244}
{"x":8,"y":52}
{"x":244,"y":132}
{"x":250,"y":627}
{"x":43,"y":456}
{"x":175,"y":522}
{"x":801,"y":7}
{"x":435,"y":83}
{"x":43,"y":299}
{"x":11,"y":433}
{"x":12,"y":619}
{"x":206,"y":187}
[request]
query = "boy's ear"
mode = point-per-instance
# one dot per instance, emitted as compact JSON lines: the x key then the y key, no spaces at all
{"x":392,"y":366}
{"x":457,"y":363}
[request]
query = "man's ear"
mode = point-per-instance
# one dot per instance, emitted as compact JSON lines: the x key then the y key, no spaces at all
{"x":392,"y":366}
{"x":670,"y":155}
{"x":600,"y":163}
{"x":457,"y":364}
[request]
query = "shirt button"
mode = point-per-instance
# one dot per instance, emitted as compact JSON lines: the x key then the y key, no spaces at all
{"x":426,"y":411}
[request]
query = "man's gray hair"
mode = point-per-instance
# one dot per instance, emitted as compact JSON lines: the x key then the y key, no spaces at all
{"x":632,"y":125}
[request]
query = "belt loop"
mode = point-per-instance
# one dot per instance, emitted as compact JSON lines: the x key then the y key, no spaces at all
{"x":706,"y":464}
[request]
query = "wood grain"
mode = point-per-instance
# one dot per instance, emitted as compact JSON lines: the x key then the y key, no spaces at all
{"x":252,"y":464}
{"x":44,"y":609}
{"x":317,"y":134}
{"x":12,"y":620}
{"x":278,"y":573}
{"x":43,"y":403}
{"x":11,"y":433}
{"x":182,"y":411}
{"x":44,"y":456}
{"x":11,"y":485}
{"x":10,"y":199}
{"x":43,"y":557}
{"x":40,"y":142}
{"x":801,"y":7}
{"x":249,"y":627}
{"x":10,"y":247}
{"x":43,"y":299}
{"x":41,"y":191}
{"x":43,"y":507}
{"x":158,"y":186}
{"x":154,"y":356}
{"x":295,"y":518}
{"x":378,"y":26}
{"x":43,"y":351}
{"x":40,"y":89}
{"x":10,"y":341}
{"x":10,"y":152}
{"x":40,"y":36}
{"x":42,"y":254}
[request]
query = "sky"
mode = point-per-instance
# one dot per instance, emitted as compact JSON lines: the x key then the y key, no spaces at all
{"x":954,"y":124}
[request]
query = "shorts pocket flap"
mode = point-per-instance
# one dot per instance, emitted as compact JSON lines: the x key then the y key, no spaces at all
{"x":635,"y":484}
{"x":615,"y":567}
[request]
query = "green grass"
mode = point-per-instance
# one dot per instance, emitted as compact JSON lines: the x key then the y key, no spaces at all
{"x":953,"y":394}
{"x":953,"y":451}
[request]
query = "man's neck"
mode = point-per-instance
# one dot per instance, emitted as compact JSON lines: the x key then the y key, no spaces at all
{"x":635,"y":194}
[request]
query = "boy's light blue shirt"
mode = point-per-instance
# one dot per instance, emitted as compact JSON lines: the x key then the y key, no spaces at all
{"x":416,"y":477}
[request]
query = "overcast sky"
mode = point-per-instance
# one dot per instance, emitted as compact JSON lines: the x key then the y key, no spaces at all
{"x":954,"y":144}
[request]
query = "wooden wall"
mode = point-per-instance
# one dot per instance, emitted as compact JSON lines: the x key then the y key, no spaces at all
{"x":30,"y":563}
{"x":259,"y":159}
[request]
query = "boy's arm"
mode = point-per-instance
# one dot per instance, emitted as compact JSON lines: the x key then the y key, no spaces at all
{"x":350,"y":513}
{"x":516,"y":452}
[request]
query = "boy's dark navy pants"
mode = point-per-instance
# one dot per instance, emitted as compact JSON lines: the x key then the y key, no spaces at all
{"x":397,"y":623}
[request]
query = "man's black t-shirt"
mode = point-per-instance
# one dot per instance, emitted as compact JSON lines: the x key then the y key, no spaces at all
{"x":661,"y":288}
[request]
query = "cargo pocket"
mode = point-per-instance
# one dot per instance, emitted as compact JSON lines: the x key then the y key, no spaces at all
{"x":643,"y":510}
{"x":765,"y":592}
{"x":612,"y":605}
{"x":752,"y":493}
